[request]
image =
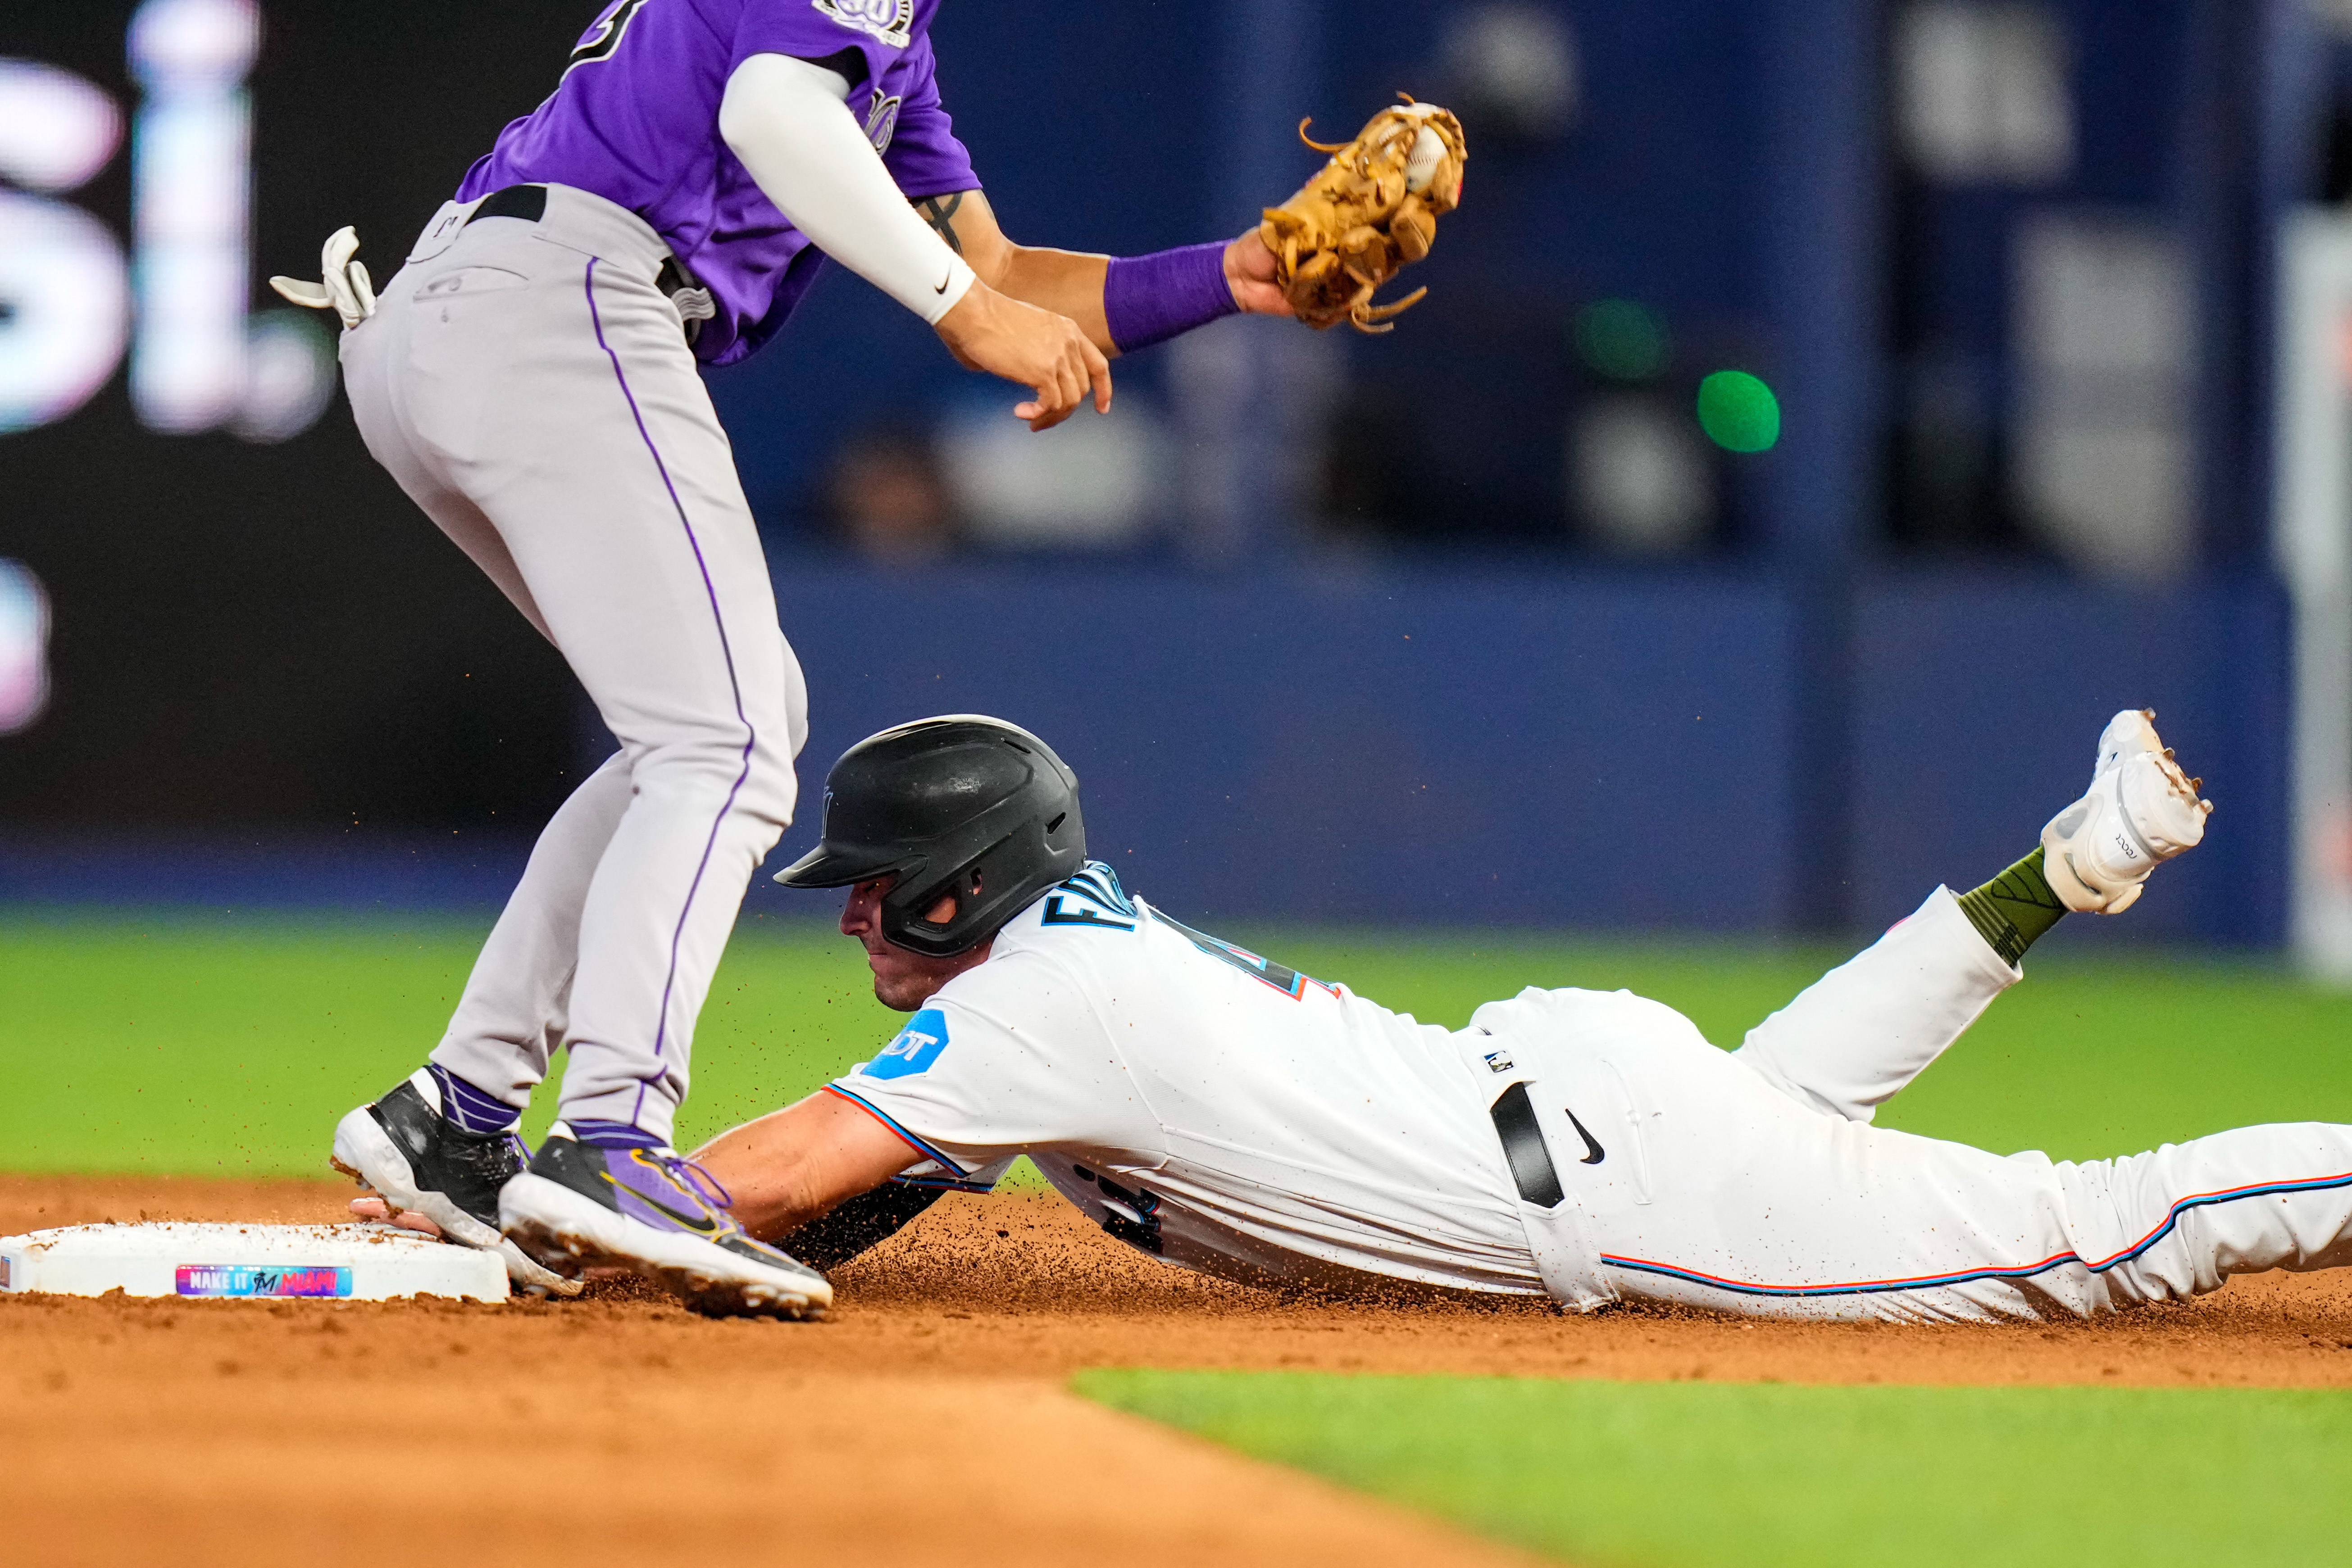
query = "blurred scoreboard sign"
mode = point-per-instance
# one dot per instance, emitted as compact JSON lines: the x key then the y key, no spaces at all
{"x":2312,"y":535}
{"x":24,"y":646}
{"x":76,"y":300}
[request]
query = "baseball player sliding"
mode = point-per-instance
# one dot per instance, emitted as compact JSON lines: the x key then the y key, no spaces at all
{"x":530,"y":378}
{"x":1220,"y":1111}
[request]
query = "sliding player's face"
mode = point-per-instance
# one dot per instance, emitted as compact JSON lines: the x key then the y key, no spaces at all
{"x":902,"y":980}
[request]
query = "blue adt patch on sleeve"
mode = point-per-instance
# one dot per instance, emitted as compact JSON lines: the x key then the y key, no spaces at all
{"x":918,"y":1045}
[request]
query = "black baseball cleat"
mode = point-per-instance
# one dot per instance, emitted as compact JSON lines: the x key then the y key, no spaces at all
{"x":403,"y":1149}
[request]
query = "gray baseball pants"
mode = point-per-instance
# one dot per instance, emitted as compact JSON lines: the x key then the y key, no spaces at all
{"x":532,"y":390}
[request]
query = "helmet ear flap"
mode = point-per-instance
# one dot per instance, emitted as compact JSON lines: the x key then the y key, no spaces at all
{"x":989,"y":890}
{"x":904,"y":905}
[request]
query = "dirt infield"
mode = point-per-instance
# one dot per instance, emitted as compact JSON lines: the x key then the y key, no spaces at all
{"x":925,"y":1423}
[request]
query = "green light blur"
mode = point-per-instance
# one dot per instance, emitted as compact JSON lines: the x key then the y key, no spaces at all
{"x":1738,"y":411}
{"x":1622,"y":340}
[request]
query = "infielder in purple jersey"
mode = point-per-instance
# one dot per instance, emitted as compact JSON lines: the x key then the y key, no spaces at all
{"x":530,"y":379}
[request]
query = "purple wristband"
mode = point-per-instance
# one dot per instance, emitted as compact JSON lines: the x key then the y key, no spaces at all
{"x":1150,"y":299}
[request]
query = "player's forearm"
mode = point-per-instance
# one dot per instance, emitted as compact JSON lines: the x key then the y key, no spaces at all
{"x":1067,"y":282}
{"x":767,"y":1190}
{"x":1125,"y":303}
{"x":1121,"y":303}
{"x":793,"y":1166}
{"x":785,"y":119}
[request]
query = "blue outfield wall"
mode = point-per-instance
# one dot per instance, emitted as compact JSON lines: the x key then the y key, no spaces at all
{"x":246,"y":872}
{"x":1976,"y":699}
{"x":1387,"y":745}
{"x":1443,"y":746}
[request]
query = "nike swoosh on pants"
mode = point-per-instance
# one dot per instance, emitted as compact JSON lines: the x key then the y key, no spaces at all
{"x":1593,"y":1153}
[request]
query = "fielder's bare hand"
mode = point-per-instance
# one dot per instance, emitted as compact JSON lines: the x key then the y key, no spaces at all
{"x":1249,"y":273}
{"x":1029,"y":347}
{"x":385,"y":1214}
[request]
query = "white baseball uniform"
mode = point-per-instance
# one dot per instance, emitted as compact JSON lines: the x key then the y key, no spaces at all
{"x":1224,"y":1112}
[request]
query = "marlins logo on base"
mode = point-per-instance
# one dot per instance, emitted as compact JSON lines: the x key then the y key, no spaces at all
{"x":242,"y":1280}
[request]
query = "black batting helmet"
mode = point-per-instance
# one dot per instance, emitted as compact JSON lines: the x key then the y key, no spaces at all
{"x":959,"y":806}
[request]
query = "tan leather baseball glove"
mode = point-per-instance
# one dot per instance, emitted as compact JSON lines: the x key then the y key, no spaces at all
{"x":1373,"y":210}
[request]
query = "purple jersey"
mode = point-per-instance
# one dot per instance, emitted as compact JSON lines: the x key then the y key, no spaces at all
{"x":636,"y":120}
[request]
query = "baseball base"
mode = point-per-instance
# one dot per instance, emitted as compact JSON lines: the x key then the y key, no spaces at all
{"x":272,"y":1262}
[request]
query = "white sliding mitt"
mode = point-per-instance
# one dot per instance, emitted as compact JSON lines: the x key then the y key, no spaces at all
{"x":343,"y":287}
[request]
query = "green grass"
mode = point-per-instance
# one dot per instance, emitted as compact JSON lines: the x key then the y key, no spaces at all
{"x":222,"y":1044}
{"x":226,"y":1046}
{"x":1745,"y":1475}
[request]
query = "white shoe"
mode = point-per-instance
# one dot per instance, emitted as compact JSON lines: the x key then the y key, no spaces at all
{"x":2141,"y":811}
{"x":2133,"y":730}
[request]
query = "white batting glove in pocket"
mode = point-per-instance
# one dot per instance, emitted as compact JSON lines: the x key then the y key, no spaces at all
{"x":343,"y":288}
